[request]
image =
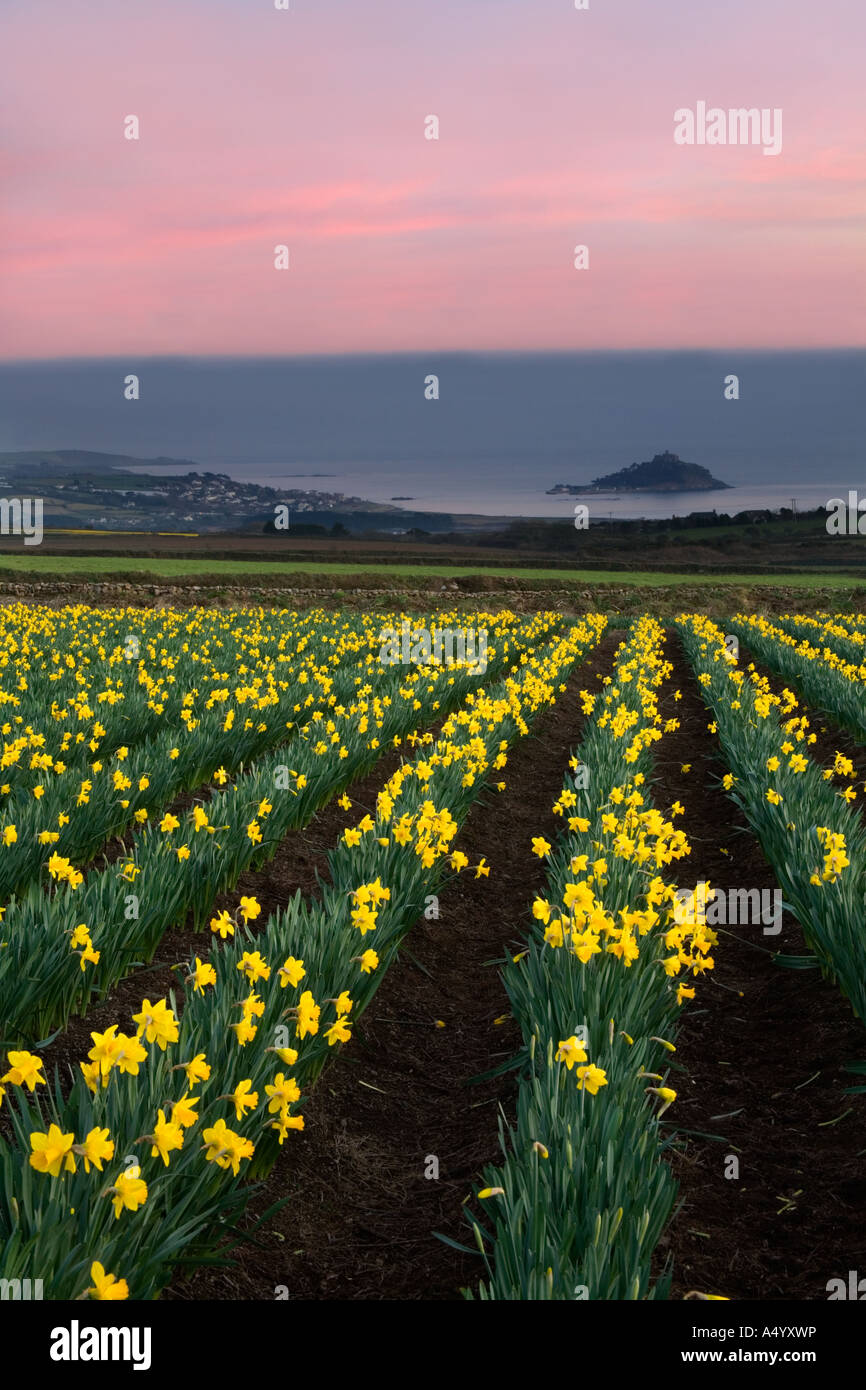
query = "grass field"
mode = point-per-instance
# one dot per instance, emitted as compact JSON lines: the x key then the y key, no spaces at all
{"x":93,"y":565}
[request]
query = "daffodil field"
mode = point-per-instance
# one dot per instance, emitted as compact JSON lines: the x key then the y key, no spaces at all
{"x":226,"y":1041}
{"x":173,"y":721}
{"x":81,"y":937}
{"x":153,"y":760}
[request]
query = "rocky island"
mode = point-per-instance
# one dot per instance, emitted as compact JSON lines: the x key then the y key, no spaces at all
{"x":665,"y":472}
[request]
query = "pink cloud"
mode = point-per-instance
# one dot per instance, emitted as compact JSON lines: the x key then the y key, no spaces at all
{"x":556,"y":128}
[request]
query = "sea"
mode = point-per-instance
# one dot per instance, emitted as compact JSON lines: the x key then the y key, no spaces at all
{"x":471,"y":433}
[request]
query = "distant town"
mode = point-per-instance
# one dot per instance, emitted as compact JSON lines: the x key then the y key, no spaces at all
{"x":206,"y":497}
{"x":86,"y":490}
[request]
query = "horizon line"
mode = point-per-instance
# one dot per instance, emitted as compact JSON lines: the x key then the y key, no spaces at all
{"x":428,"y":352}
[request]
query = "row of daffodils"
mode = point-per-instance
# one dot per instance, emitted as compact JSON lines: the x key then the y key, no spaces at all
{"x":105,"y":1185}
{"x":809,"y":829}
{"x":843,"y":633}
{"x":68,"y":937}
{"x":580,"y":1199}
{"x":830,"y":683}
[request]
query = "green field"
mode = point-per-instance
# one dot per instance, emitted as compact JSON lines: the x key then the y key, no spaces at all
{"x":95,"y":565}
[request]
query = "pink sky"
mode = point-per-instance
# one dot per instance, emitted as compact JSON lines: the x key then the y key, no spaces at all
{"x":261,"y":127}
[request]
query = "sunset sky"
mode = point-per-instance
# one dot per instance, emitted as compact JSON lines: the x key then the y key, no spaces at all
{"x":556,"y":127}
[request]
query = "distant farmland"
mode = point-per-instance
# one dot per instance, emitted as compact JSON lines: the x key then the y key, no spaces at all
{"x":93,"y":566}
